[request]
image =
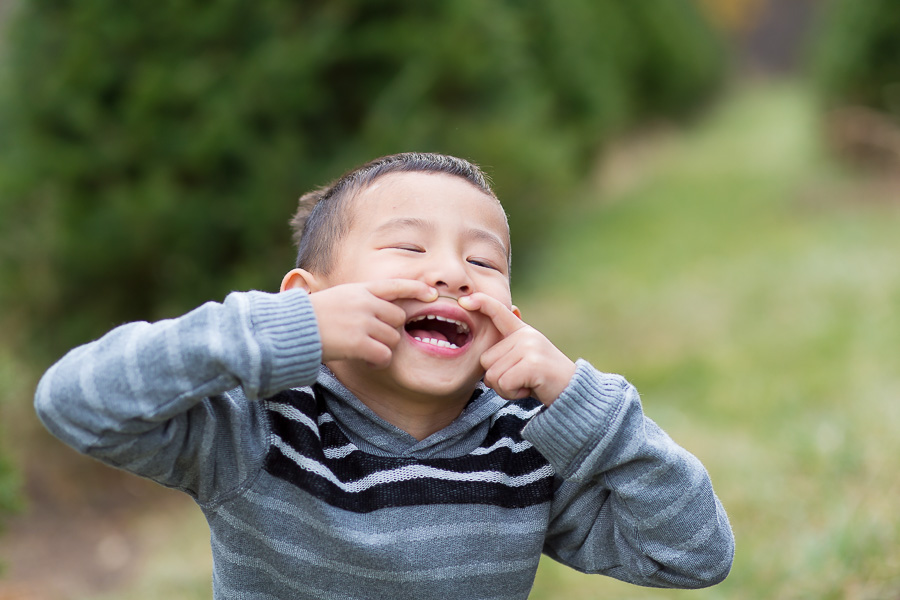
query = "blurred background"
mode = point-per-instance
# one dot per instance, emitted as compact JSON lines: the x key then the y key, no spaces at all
{"x":704,"y":197}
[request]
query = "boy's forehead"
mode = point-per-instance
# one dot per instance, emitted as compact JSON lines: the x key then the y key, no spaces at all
{"x":393,"y":194}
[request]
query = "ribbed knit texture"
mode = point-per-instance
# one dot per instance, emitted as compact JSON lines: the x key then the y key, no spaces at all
{"x":309,"y":494}
{"x":287,"y":324}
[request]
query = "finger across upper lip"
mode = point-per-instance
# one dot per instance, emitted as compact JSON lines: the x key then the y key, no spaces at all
{"x":444,"y":308}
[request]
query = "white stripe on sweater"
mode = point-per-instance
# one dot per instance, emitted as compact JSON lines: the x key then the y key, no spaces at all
{"x":514,"y":409}
{"x":340,"y":451}
{"x":298,"y":416}
{"x":290,"y":412}
{"x":408,"y":473}
{"x":504,"y":443}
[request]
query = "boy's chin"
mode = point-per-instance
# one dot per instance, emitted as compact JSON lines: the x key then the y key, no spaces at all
{"x":436,"y":382}
{"x":413,"y":376}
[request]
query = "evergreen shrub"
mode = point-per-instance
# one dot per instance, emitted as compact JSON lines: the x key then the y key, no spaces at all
{"x":855,"y":55}
{"x":153,"y":151}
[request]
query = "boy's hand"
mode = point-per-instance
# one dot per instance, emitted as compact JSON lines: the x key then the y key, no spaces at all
{"x":524,"y":363}
{"x":360,"y":321}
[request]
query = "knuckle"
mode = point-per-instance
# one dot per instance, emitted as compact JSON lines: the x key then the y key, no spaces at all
{"x":490,"y":380}
{"x":391,"y":337}
{"x":379,"y":354}
{"x":533,"y":361}
{"x":395,"y":316}
{"x":504,"y":382}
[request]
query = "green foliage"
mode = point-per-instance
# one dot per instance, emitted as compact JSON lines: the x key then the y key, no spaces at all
{"x":10,"y":488}
{"x":855,"y":57}
{"x":11,"y":389}
{"x":154,"y":151}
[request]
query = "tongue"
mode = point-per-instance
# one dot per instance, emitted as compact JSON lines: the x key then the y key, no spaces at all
{"x":428,"y":333}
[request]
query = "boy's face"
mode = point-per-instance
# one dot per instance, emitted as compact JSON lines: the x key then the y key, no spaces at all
{"x":445,"y":232}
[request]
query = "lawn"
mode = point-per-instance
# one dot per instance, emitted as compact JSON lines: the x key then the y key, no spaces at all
{"x":749,"y":288}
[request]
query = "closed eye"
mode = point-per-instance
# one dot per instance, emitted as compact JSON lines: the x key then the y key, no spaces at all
{"x":409,"y":248}
{"x":478,"y":262}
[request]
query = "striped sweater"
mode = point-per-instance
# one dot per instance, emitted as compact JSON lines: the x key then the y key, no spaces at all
{"x":309,"y":494}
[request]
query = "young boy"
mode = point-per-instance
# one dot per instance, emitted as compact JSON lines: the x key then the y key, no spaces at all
{"x":387,"y":426}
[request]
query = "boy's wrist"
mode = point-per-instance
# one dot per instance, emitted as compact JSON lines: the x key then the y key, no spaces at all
{"x":555,"y":386}
{"x":284,"y":325}
{"x":579,"y":418}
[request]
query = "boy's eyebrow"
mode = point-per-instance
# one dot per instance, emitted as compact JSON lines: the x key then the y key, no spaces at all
{"x":405,"y":223}
{"x":491,"y":238}
{"x":474,"y":233}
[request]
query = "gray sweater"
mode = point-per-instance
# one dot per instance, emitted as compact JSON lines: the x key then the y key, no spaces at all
{"x":309,"y":494}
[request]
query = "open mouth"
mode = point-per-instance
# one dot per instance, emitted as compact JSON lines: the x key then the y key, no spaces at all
{"x":439,"y":331}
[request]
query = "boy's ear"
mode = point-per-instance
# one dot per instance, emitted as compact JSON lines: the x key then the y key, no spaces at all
{"x":516,"y":311}
{"x":300,"y":279}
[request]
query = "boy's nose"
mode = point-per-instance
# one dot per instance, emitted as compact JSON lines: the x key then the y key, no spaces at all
{"x":463,"y":290}
{"x":450,"y":276}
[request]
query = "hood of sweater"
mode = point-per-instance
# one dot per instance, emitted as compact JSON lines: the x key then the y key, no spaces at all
{"x":372,"y":434}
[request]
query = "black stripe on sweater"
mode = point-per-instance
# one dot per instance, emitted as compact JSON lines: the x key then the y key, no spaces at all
{"x":362,"y":482}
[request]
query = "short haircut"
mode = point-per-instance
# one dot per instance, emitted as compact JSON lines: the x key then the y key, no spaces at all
{"x":323,"y":216}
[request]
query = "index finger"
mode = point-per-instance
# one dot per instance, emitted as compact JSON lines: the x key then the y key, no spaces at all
{"x":505,"y":320}
{"x":394,"y":289}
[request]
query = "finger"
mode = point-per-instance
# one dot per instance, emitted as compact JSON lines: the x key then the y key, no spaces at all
{"x":502,"y":317}
{"x":394,"y":289}
{"x":508,"y":380}
{"x":504,"y":349}
{"x":388,"y":313}
{"x":376,"y":354}
{"x":513,"y":392}
{"x":385,"y":334}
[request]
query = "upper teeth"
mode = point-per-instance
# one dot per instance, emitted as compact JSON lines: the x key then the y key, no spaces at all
{"x":460,"y":326}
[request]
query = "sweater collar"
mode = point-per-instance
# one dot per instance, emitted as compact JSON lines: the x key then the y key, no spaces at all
{"x":373,"y":434}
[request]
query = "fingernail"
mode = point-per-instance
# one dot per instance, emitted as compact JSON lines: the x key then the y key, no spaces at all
{"x":465,"y":300}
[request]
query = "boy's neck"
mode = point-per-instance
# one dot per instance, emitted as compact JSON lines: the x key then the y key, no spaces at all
{"x":418,"y":415}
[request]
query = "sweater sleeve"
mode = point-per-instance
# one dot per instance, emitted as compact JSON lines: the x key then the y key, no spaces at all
{"x":174,"y":401}
{"x":631,"y":503}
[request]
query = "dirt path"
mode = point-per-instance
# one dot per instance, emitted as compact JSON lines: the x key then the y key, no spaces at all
{"x":79,"y":534}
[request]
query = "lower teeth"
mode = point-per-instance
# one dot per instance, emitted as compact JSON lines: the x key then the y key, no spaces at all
{"x":440,"y":343}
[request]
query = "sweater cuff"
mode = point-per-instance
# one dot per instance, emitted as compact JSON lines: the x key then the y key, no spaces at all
{"x":286,"y":328}
{"x":578,"y":420}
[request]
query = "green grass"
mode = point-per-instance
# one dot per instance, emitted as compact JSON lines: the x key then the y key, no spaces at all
{"x":750,"y":289}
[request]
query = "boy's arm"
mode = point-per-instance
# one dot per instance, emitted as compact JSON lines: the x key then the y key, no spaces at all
{"x":632,"y":504}
{"x":153,"y":398}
